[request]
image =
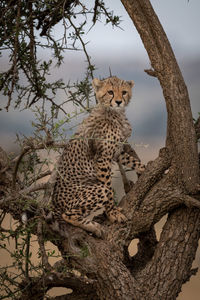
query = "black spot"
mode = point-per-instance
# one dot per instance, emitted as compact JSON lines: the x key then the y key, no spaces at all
{"x":104,"y":169}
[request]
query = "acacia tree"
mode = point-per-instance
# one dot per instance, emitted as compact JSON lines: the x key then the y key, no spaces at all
{"x":169,"y":185}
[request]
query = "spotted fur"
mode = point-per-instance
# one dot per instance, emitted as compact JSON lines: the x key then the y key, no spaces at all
{"x":83,"y":184}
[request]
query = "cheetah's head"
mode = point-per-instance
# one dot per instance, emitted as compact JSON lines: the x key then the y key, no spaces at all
{"x":113,"y":92}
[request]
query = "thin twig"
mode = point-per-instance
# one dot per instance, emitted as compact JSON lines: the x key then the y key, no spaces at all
{"x":27,"y":254}
{"x":25,"y":150}
{"x":16,"y":45}
{"x":83,"y":46}
{"x":35,"y":188}
{"x":45,"y":261}
{"x":40,"y":176}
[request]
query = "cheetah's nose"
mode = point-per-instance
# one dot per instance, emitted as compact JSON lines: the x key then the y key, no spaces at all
{"x":118,"y":102}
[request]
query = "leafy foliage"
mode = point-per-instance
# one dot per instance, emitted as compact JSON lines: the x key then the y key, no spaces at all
{"x":30,"y":31}
{"x":27,"y":31}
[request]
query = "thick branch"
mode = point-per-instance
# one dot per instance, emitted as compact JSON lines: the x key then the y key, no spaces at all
{"x":172,"y":261}
{"x":181,"y":137}
{"x":153,"y":173}
{"x":103,"y":263}
{"x":35,"y":288}
{"x":162,"y":198}
{"x":146,"y":248}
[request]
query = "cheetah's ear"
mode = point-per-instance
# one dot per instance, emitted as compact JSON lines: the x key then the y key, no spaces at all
{"x":131,"y":83}
{"x":96,"y":83}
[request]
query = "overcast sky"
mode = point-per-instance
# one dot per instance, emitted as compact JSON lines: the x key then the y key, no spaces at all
{"x":123,"y":51}
{"x":180,"y":19}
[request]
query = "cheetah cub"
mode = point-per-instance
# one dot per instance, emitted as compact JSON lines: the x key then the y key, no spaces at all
{"x":83,"y":183}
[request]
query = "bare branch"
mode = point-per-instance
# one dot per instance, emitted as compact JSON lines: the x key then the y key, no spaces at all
{"x":37,"y":286}
{"x":40,"y":176}
{"x":190,"y":201}
{"x":45,"y":261}
{"x":25,"y":150}
{"x":151,"y":72}
{"x":28,"y":237}
{"x":34,"y":188}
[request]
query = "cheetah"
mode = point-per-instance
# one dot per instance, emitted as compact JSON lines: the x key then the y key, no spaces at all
{"x":83,"y":182}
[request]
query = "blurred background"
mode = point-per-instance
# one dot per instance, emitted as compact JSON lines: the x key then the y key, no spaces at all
{"x":122,"y":51}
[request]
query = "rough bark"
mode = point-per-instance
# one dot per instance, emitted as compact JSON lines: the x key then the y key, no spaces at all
{"x":171,"y":263}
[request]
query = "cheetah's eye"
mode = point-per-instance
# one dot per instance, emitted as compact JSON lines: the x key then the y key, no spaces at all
{"x":111,"y":92}
{"x":124,"y":93}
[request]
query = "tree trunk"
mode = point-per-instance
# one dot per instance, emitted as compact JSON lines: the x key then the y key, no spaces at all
{"x":181,"y":136}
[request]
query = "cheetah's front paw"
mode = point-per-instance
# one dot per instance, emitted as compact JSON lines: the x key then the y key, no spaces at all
{"x":99,"y":231}
{"x":115,"y":215}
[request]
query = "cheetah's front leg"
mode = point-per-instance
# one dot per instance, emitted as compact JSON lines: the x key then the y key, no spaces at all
{"x":115,"y":215}
{"x":113,"y":212}
{"x":131,"y":162}
{"x":103,"y":172}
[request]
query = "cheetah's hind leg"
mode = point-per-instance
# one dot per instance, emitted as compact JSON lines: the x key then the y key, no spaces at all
{"x":82,"y":222}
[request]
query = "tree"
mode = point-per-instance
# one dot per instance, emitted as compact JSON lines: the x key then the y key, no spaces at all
{"x":169,"y":185}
